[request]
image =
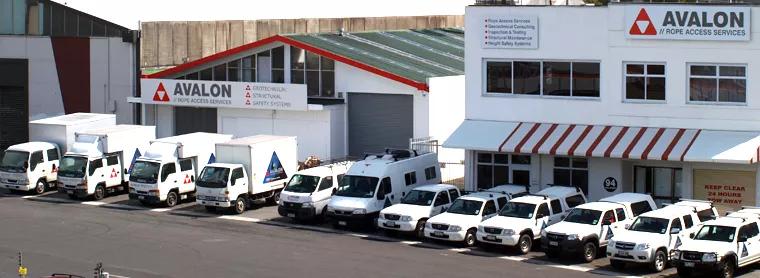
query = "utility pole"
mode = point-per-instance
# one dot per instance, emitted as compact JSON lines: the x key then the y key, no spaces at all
{"x":99,"y":270}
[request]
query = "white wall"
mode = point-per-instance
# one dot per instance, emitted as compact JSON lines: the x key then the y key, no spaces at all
{"x":111,"y":77}
{"x":597,"y":34}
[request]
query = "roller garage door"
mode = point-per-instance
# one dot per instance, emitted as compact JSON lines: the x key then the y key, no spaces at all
{"x":190,"y":119}
{"x":378,"y":121}
{"x":14,"y":102}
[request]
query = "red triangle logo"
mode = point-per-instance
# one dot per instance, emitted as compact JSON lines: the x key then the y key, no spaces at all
{"x":113,"y":173}
{"x":161,"y":94}
{"x":187,"y":179}
{"x":643,"y":25}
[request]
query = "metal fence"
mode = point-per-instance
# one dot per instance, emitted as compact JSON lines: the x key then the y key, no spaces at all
{"x":452,"y":172}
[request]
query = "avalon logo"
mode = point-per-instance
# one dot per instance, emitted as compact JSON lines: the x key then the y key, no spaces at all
{"x":643,"y":26}
{"x":161,"y":94}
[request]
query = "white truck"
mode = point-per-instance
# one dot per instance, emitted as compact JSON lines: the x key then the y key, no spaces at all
{"x":417,"y":207}
{"x":652,"y":236}
{"x":34,"y":165}
{"x":588,"y":227}
{"x":166,"y":172}
{"x":379,"y":181}
{"x":721,"y":245}
{"x":308,"y":191}
{"x":520,"y":222}
{"x":100,"y":160}
{"x":247,"y":169}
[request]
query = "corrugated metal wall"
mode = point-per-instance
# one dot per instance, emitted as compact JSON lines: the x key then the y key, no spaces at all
{"x":170,"y":43}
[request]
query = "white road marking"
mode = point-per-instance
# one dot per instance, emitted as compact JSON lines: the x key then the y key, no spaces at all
{"x":240,"y":218}
{"x":122,"y":206}
{"x":47,"y":199}
{"x":514,"y":259}
{"x":161,"y":209}
{"x":93,"y":203}
{"x":410,"y":242}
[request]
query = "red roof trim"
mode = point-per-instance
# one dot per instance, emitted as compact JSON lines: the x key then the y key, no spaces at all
{"x":186,"y":66}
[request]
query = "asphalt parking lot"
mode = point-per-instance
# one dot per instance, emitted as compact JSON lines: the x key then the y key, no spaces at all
{"x":267,"y":216}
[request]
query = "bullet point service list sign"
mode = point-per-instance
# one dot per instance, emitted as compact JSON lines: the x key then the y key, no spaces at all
{"x":510,"y":32}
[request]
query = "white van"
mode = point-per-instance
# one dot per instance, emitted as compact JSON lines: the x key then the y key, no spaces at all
{"x":308,"y":191}
{"x":523,"y":219}
{"x":588,"y":227}
{"x":380,"y":181}
{"x":414,"y":210}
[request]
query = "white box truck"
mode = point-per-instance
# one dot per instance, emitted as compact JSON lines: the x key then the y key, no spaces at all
{"x":100,"y":160}
{"x":166,"y":172}
{"x":34,"y":165}
{"x":247,"y":169}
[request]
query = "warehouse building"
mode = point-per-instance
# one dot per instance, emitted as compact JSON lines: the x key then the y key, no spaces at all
{"x":622,"y":98}
{"x":343,"y":94}
{"x":56,"y":60}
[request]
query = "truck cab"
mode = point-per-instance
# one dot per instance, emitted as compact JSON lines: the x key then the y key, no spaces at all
{"x":721,"y":245}
{"x":588,"y":227}
{"x":417,"y":207}
{"x":220,"y":184}
{"x":652,"y":236}
{"x":379,"y":181}
{"x":306,"y":195}
{"x":30,"y":166}
{"x":460,"y":221}
{"x":522,"y":220}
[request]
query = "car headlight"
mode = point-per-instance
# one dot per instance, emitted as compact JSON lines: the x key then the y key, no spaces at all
{"x":455,"y":228}
{"x":132,"y":190}
{"x":406,"y":218}
{"x":572,"y":237}
{"x":428,"y":225}
{"x":330,"y":209}
{"x":611,"y":242}
{"x":543,"y":233}
{"x":481,"y":229}
{"x":642,"y":246}
{"x":508,"y":232}
{"x":677,"y":254}
{"x":360,"y":211}
{"x":307,"y":205}
{"x":710,"y":257}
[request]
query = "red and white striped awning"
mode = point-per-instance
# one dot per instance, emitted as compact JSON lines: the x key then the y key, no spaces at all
{"x":600,"y":141}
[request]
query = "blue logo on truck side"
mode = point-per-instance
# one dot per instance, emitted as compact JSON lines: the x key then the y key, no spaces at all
{"x":134,"y":159}
{"x":211,"y":159}
{"x":275,"y":171}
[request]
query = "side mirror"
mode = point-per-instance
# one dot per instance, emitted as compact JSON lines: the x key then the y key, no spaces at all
{"x":692,"y":235}
{"x":335,"y":190}
{"x":675,"y":230}
{"x":627,"y":226}
{"x":26,"y":164}
{"x":233,"y":181}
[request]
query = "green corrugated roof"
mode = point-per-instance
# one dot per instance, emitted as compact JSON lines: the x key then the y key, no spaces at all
{"x":414,"y":54}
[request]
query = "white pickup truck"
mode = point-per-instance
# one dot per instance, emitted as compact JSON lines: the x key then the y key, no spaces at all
{"x":588,"y":227}
{"x":522,"y":219}
{"x":417,"y":207}
{"x":308,"y":191}
{"x":721,"y":245}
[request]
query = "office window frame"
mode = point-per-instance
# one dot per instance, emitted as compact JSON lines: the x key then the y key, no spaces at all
{"x":718,"y":77}
{"x":646,"y":75}
{"x":542,"y":77}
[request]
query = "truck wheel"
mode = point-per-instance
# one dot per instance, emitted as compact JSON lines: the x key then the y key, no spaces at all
{"x":419,"y":231}
{"x":274,"y":199}
{"x":660,"y":261}
{"x":727,"y":269}
{"x":172,"y":199}
{"x":618,"y":265}
{"x":100,"y":192}
{"x":589,"y":251}
{"x":469,"y":238}
{"x":239,"y":207}
{"x":210,"y":209}
{"x":525,"y":244}
{"x":40,"y":187}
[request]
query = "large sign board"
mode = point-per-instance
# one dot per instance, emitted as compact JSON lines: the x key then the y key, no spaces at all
{"x":729,"y":190}
{"x":687,"y":22}
{"x":510,"y":32}
{"x":222,"y":94}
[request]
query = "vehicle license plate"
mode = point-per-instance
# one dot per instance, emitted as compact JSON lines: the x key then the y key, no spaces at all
{"x":69,"y":191}
{"x":688,"y":264}
{"x":491,"y":238}
{"x":342,"y":223}
{"x":553,"y":243}
{"x":291,"y":215}
{"x":141,"y":197}
{"x":390,"y":223}
{"x":622,"y":253}
{"x":438,"y":234}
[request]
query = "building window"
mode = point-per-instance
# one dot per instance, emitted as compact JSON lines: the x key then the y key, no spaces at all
{"x":233,"y":71}
{"x":546,"y":78}
{"x":248,"y":68}
{"x":495,"y":169}
{"x":207,"y":74}
{"x":220,"y":72}
{"x":571,"y":171}
{"x":718,"y":83}
{"x":317,"y":72}
{"x":664,"y":184}
{"x":644,"y":81}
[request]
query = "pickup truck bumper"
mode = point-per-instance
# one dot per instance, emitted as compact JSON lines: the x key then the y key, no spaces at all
{"x":631,"y":256}
{"x":297,"y":213}
{"x":16,"y":186}
{"x":445,"y":235}
{"x":561,"y":246}
{"x":145,"y":198}
{"x":697,"y":266}
{"x":397,"y":225}
{"x":498,"y":239}
{"x":352,"y":219}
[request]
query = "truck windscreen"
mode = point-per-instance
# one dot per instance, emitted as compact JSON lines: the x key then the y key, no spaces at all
{"x":302,"y":184}
{"x":213,"y":177}
{"x":357,"y":186}
{"x":13,"y":161}
{"x":72,"y":167}
{"x":144,"y":172}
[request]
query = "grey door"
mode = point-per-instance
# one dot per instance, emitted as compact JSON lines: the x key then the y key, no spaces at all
{"x":379,"y":121}
{"x":14,"y":102}
{"x":189,"y":120}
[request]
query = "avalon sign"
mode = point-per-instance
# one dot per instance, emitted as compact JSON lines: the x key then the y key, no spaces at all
{"x":222,"y":94}
{"x":687,"y":22}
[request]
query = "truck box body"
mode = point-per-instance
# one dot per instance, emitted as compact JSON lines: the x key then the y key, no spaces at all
{"x":128,"y":140}
{"x":269,"y":160}
{"x":200,"y":145}
{"x":61,"y":130}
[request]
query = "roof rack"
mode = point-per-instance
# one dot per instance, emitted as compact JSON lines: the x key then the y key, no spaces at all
{"x":577,"y":189}
{"x":546,"y":197}
{"x":396,"y":154}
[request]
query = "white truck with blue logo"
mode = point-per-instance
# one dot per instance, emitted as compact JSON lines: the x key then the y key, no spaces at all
{"x":247,"y":169}
{"x":100,"y":160}
{"x":166,"y":173}
{"x":33,"y":166}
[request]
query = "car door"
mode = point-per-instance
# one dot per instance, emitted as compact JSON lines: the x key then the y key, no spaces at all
{"x":748,"y":247}
{"x":96,"y":171}
{"x":605,"y":232}
{"x":53,"y":158}
{"x":113,"y":170}
{"x":543,"y":214}
{"x":385,"y":193}
{"x":186,"y":176}
{"x":675,"y":229}
{"x":453,"y":194}
{"x":324,"y":191}
{"x":489,"y":209}
{"x":557,"y":212}
{"x":169,"y":176}
{"x":36,"y":166}
{"x":441,"y":203}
